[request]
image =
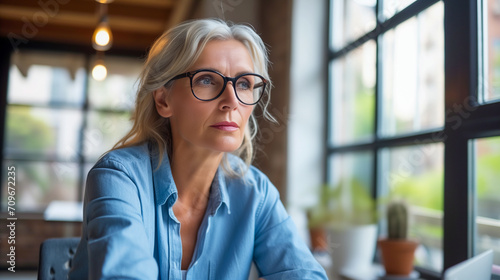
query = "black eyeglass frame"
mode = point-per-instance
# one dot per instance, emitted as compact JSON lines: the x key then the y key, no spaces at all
{"x":226,"y":79}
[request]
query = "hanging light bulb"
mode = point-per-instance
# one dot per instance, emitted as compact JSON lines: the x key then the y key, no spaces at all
{"x":102,"y":39}
{"x":99,"y":72}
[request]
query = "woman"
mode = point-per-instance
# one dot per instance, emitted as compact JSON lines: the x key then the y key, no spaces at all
{"x":177,"y":198}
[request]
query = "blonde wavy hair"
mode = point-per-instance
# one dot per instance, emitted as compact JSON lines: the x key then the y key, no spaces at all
{"x":174,"y":53}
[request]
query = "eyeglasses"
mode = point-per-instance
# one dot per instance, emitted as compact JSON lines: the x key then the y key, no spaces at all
{"x":208,"y":85}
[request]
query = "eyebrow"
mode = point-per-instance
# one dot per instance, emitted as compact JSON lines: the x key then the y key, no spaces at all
{"x":217,"y":70}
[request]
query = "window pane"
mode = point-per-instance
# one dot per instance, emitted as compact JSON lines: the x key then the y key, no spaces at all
{"x":353,"y":96}
{"x":487,"y":176}
{"x":103,"y":131}
{"x":415,"y":174}
{"x":42,"y":132}
{"x":44,"y":78}
{"x":353,"y":172}
{"x":118,"y":90}
{"x":391,"y":7}
{"x":350,"y":20}
{"x":38,"y":183}
{"x":413,"y":74}
{"x":356,"y":166}
{"x":491,"y":49}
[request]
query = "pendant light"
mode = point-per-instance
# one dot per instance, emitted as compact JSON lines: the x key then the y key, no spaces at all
{"x":102,"y":39}
{"x":99,"y":71}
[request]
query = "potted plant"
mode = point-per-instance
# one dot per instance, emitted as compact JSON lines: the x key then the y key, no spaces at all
{"x":397,"y":250}
{"x":347,"y":214}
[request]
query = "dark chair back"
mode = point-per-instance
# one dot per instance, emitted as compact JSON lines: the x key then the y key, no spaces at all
{"x":56,"y":256}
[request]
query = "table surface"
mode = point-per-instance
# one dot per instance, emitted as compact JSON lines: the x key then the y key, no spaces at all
{"x":64,"y":211}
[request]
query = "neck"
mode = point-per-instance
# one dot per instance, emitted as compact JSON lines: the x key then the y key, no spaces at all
{"x":193,"y":173}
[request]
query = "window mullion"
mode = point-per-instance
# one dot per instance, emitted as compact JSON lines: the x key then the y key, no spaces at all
{"x":5,"y":54}
{"x":460,"y":85}
{"x":377,"y":186}
{"x":81,"y":145}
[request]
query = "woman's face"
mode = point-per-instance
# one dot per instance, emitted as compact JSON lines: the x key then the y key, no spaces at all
{"x":216,"y":125}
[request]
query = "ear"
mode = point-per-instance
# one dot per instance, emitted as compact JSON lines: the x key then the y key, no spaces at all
{"x":162,"y":106}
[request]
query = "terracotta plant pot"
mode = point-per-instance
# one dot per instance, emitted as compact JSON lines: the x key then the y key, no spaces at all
{"x":397,"y":256}
{"x":318,"y":239}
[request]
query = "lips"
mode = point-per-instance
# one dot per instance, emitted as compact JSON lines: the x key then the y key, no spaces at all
{"x":226,"y":126}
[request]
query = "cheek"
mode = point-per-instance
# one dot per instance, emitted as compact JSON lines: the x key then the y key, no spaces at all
{"x":191,"y":118}
{"x":183,"y":107}
{"x":245,"y":115}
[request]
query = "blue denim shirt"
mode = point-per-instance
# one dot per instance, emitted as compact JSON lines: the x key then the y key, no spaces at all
{"x":130,"y":230}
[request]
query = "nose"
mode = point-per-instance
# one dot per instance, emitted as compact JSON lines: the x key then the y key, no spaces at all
{"x":228,"y":100}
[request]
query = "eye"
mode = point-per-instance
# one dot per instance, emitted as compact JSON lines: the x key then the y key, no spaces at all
{"x":244,"y":84}
{"x":204,"y":80}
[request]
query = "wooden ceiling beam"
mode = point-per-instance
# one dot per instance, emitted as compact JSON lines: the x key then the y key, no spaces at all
{"x":135,"y":23}
{"x":82,"y":20}
{"x":149,"y":3}
{"x":76,"y":35}
{"x":87,"y":5}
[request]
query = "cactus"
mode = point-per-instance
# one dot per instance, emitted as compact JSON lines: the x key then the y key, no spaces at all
{"x":397,"y":220}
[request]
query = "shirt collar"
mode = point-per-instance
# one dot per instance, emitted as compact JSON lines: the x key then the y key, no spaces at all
{"x":165,"y":188}
{"x":163,"y":182}
{"x":218,"y":192}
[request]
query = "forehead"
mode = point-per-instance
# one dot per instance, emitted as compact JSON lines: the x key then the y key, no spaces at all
{"x":224,"y":53}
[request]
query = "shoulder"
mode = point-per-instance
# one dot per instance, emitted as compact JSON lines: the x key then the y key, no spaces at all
{"x":253,"y":181}
{"x":126,"y":156}
{"x":132,"y":160}
{"x":256,"y":191}
{"x":133,"y":153}
{"x":122,"y":173}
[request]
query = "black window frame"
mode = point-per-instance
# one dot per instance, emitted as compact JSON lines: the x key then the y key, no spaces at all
{"x":461,"y":39}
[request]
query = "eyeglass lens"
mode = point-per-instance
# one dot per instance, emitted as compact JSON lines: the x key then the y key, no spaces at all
{"x":208,"y":85}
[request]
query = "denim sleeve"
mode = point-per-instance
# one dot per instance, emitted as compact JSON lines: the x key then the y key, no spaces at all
{"x":279,"y":252}
{"x":117,"y":242}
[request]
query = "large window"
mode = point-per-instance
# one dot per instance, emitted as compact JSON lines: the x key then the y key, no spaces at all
{"x":59,"y":120}
{"x":413,"y":115}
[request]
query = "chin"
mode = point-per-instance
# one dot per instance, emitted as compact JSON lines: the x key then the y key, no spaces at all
{"x":226,"y":149}
{"x":227,"y":146}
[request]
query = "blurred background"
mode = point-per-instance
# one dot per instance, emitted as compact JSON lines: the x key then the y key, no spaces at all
{"x":397,"y":97}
